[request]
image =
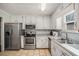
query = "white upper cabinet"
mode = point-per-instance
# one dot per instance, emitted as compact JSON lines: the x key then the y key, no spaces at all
{"x":28,"y":19}
{"x":46,"y":23}
{"x":43,"y":23}
{"x":59,"y":23}
{"x":39,"y":23}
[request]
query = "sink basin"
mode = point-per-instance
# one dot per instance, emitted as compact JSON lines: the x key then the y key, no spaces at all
{"x":61,"y":41}
{"x":64,"y":41}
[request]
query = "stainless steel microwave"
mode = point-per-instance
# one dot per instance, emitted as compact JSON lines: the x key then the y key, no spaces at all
{"x":29,"y":26}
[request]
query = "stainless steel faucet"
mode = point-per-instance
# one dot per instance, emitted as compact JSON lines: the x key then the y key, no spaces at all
{"x":67,"y":39}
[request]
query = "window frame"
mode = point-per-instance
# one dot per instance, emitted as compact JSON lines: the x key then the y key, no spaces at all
{"x":69,"y":22}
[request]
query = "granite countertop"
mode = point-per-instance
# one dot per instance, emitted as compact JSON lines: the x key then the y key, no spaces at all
{"x":72,"y":48}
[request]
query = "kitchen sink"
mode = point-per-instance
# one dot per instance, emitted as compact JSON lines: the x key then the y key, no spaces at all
{"x":64,"y":41}
{"x":70,"y":43}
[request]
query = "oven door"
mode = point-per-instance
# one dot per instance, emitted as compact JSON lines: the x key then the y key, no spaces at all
{"x":29,"y":40}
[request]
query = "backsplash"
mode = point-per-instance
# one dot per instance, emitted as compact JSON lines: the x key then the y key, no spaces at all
{"x":74,"y":37}
{"x":43,"y":32}
{"x":63,"y":35}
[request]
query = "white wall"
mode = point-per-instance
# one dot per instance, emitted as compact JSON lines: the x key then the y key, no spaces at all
{"x":5,"y":16}
{"x":60,"y":12}
{"x":77,"y":16}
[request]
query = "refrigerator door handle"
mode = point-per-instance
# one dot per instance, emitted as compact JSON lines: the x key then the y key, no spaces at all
{"x":11,"y":37}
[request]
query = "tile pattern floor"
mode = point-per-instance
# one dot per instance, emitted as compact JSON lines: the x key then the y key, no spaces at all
{"x":36,"y":52}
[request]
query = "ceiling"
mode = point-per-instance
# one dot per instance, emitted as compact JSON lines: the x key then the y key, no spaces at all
{"x":28,"y":8}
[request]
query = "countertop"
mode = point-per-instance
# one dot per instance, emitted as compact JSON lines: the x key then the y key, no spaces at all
{"x":71,"y":48}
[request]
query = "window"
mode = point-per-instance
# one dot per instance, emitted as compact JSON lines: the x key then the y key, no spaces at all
{"x":70,"y":20}
{"x":70,"y":26}
{"x":70,"y":17}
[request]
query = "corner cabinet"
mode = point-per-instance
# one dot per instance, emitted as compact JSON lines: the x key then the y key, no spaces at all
{"x":41,"y":41}
{"x":55,"y":49}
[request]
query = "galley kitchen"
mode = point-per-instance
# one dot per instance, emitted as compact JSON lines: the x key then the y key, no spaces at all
{"x":39,"y":29}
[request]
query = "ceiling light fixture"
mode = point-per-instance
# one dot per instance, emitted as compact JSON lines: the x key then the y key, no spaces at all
{"x":43,"y":6}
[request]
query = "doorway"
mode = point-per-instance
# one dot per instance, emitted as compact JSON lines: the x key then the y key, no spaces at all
{"x":0,"y":33}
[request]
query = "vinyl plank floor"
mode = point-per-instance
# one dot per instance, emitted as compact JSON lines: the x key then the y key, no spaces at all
{"x":36,"y":52}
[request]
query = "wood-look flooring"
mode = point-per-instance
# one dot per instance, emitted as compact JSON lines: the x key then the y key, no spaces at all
{"x":36,"y":52}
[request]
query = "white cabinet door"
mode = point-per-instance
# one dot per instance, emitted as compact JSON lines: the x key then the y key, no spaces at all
{"x":38,"y":42}
{"x":39,"y":23}
{"x":58,"y":50}
{"x":52,"y":48}
{"x":43,"y":23}
{"x":59,"y":23}
{"x":41,"y":42}
{"x":46,"y":23}
{"x":55,"y":49}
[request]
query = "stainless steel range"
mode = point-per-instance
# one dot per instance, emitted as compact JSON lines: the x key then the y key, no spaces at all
{"x":30,"y":35}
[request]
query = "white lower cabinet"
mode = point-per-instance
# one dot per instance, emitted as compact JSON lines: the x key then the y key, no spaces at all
{"x":57,"y":50}
{"x":41,"y":42}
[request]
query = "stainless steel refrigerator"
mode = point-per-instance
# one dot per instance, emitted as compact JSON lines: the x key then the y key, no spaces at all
{"x":12,"y":35}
